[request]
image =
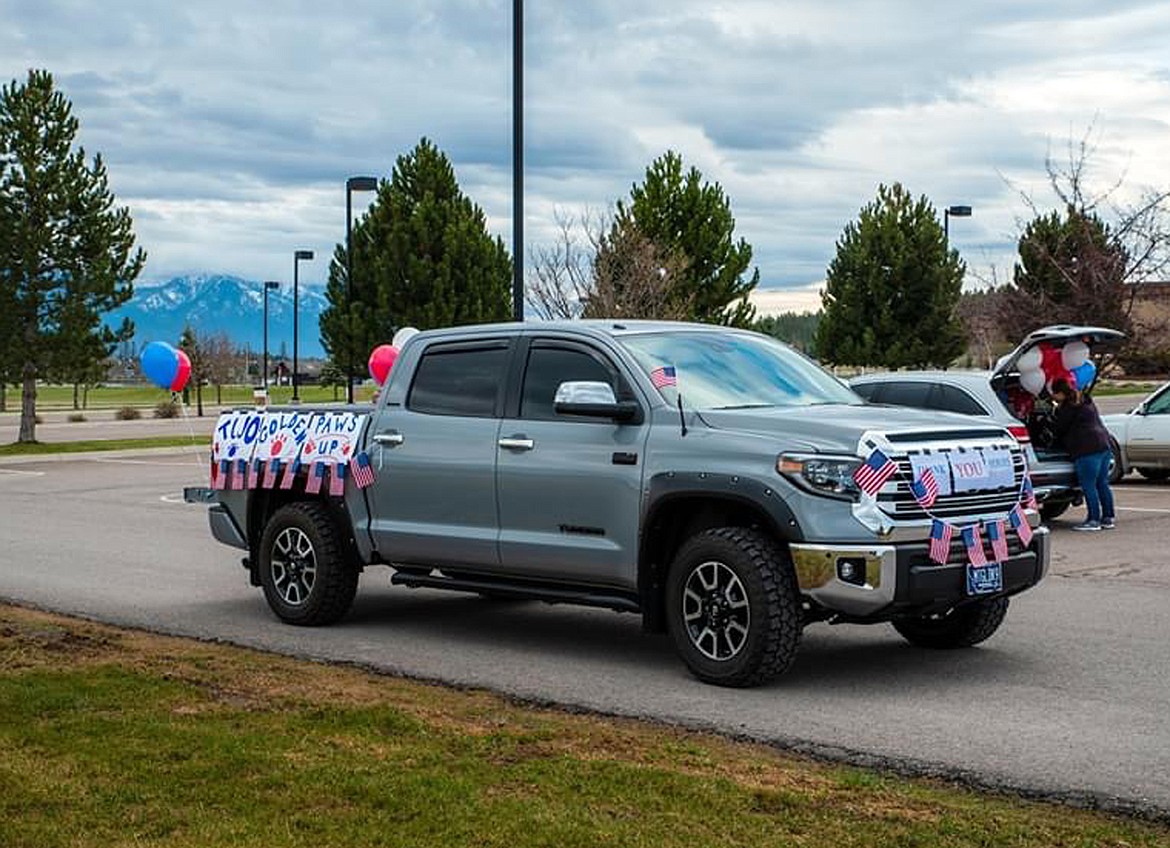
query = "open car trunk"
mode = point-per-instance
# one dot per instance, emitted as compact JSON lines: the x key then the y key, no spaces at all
{"x":1035,"y":409}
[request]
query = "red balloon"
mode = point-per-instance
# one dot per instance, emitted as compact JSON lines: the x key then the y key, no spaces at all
{"x":1052,"y":363}
{"x":381,"y":361}
{"x":182,"y":374}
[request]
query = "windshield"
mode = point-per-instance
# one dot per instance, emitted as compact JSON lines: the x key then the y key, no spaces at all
{"x":733,"y":370}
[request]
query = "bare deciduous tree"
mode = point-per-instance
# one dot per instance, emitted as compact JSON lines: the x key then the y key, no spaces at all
{"x":597,"y":270}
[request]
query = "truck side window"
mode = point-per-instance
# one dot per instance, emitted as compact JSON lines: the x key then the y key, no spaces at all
{"x":868,"y":391}
{"x":547,"y":368}
{"x":464,"y":381}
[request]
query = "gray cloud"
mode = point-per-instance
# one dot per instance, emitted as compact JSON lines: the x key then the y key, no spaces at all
{"x":229,"y":127}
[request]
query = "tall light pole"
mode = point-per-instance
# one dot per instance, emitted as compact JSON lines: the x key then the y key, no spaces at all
{"x":351,"y":185}
{"x":269,"y":285}
{"x":958,"y":212}
{"x":518,"y":160}
{"x":298,"y":255}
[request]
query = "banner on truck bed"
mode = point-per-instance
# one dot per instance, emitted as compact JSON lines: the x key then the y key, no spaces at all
{"x":267,"y":448}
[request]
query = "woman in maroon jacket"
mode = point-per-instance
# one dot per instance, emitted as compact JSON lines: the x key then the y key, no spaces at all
{"x":1077,"y":427}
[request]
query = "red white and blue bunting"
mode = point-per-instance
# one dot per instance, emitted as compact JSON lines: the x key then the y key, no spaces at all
{"x":933,"y":476}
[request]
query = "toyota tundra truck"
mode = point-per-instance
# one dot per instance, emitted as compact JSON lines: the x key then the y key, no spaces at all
{"x":712,"y":480}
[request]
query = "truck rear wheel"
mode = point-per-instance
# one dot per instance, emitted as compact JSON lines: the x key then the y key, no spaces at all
{"x":307,"y":577}
{"x":733,"y":607}
{"x":962,"y":627}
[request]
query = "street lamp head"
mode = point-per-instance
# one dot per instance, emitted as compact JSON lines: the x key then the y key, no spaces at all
{"x":303,"y":254}
{"x":361,"y":184}
{"x":271,"y":284}
{"x":959,"y":211}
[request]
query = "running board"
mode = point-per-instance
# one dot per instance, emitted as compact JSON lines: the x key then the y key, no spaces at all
{"x":526,"y":591}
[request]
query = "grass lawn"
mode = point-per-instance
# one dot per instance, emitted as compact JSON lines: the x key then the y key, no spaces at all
{"x":115,"y":737}
{"x":84,"y":445}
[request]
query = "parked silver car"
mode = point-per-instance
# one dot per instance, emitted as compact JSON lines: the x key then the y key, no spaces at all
{"x":1141,"y":438}
{"x":997,"y":395}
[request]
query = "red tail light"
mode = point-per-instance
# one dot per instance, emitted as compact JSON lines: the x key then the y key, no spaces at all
{"x":1020,"y":432}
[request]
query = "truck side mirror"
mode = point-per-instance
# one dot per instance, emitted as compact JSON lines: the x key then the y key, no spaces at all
{"x":592,"y":398}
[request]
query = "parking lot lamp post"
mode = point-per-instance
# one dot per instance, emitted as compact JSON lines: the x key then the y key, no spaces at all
{"x":269,"y":285}
{"x":956,"y":211}
{"x":297,"y":257}
{"x":351,"y":185}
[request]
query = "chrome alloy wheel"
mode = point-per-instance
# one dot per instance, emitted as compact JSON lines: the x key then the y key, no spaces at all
{"x":294,"y":566}
{"x":716,"y":611}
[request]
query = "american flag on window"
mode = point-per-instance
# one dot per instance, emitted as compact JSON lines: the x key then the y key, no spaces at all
{"x":973,"y":542}
{"x":874,"y":472}
{"x":997,"y":534}
{"x":940,"y":541}
{"x":663,"y":376}
{"x":925,"y":489}
{"x":1020,"y":524}
{"x":361,"y":470}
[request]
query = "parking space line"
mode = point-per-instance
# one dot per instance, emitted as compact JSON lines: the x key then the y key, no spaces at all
{"x":20,"y":473}
{"x":1143,"y":509}
{"x":186,"y":464}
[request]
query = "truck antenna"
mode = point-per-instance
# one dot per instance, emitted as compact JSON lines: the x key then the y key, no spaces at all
{"x":681,"y":418}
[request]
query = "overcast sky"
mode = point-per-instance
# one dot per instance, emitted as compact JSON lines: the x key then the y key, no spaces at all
{"x":230,"y":127}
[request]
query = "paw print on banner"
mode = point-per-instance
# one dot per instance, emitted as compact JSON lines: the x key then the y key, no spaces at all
{"x":277,"y":446}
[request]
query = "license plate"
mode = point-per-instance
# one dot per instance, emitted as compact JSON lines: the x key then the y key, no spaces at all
{"x":984,"y":579}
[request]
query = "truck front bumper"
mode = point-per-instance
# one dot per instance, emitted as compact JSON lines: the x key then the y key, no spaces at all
{"x":884,"y":581}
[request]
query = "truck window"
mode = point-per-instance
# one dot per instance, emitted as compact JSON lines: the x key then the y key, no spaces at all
{"x":869,"y":391}
{"x":547,"y":368}
{"x":461,"y":381}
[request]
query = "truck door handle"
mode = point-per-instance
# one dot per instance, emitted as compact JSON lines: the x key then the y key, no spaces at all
{"x":391,"y":439}
{"x":517,"y":443}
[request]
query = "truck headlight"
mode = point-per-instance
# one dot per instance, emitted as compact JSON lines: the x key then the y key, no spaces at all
{"x":825,"y":475}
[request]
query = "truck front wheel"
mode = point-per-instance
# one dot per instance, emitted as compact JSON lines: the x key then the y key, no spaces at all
{"x":962,"y":627}
{"x":306,"y":575}
{"x":733,"y":607}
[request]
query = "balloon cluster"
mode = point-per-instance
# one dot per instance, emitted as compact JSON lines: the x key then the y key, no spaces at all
{"x":383,"y":357}
{"x":165,"y":366}
{"x":1044,"y":364}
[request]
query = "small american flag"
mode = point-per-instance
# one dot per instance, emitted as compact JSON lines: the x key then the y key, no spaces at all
{"x":1020,"y":524}
{"x":973,"y":542}
{"x":874,"y":472}
{"x":270,"y":473}
{"x":925,"y":489}
{"x":361,"y":470}
{"x":290,"y":474}
{"x":940,"y":541}
{"x":238,"y":479}
{"x":1028,"y":494}
{"x":664,"y":376}
{"x":997,"y":533}
{"x":254,"y":473}
{"x":337,"y":479}
{"x":220,"y":480}
{"x":316,"y":478}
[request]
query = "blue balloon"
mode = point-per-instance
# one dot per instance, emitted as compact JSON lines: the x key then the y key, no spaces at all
{"x":1084,"y":373}
{"x":160,"y":363}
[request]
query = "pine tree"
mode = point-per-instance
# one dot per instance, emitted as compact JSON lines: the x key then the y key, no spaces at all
{"x":686,"y":217}
{"x":422,"y":257}
{"x":892,"y":290}
{"x":68,"y":253}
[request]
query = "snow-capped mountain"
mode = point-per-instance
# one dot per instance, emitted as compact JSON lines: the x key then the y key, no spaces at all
{"x":214,"y":303}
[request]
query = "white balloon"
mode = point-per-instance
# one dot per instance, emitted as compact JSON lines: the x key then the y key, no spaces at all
{"x":1074,"y":354}
{"x":1032,"y":381}
{"x":1030,"y":360}
{"x":402,"y":335}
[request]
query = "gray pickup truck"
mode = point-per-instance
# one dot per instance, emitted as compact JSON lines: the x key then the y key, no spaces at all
{"x":712,"y":480}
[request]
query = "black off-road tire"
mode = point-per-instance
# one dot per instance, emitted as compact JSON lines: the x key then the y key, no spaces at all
{"x":962,"y":627}
{"x":755,"y":566}
{"x":1154,"y":475}
{"x":308,"y":576}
